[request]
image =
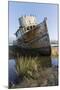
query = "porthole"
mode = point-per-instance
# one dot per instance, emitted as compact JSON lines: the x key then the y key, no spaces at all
{"x":30,"y":27}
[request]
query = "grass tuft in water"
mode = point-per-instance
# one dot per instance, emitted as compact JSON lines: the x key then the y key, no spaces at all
{"x":26,"y":66}
{"x":36,"y":71}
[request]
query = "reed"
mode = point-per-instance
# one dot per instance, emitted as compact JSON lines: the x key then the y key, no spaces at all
{"x":36,"y":71}
{"x":26,"y":66}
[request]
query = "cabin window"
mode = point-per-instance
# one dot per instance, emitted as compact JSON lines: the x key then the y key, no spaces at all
{"x":33,"y":26}
{"x":27,"y":28}
{"x":16,"y":34}
{"x":30,"y":27}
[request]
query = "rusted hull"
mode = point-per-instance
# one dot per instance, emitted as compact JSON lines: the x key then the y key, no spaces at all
{"x":20,"y":51}
{"x":36,"y":41}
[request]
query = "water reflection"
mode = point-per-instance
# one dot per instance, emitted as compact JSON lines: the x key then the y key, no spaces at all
{"x":45,"y":62}
{"x":54,"y":61}
{"x":13,"y":77}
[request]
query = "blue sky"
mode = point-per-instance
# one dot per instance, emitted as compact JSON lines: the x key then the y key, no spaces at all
{"x":17,"y":9}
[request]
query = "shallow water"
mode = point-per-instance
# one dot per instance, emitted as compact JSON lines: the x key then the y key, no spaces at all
{"x":54,"y":61}
{"x":13,"y":77}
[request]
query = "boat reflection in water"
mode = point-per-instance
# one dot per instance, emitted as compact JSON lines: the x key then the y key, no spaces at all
{"x":46,"y":73}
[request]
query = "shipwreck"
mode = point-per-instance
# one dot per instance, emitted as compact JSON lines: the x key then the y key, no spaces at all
{"x":32,"y":37}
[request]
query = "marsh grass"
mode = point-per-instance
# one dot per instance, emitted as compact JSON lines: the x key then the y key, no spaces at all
{"x":31,"y":66}
{"x":36,"y":71}
{"x":27,"y":65}
{"x":54,"y":51}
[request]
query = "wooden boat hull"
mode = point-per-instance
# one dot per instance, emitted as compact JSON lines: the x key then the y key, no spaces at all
{"x":36,"y":41}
